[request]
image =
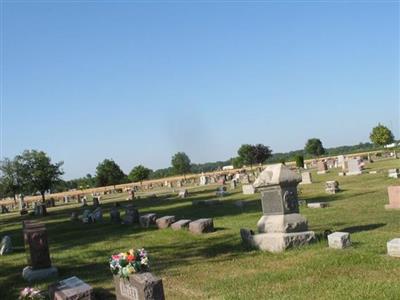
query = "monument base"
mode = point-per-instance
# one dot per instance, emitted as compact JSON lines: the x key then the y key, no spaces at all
{"x":276,"y":242}
{"x":282,"y":223}
{"x":30,"y":274}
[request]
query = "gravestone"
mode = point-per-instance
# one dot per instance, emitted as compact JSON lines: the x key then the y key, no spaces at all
{"x":201,"y":226}
{"x":131,"y":195}
{"x":74,"y":216}
{"x":139,"y":286}
{"x":6,"y":245}
{"x":244,"y":179}
{"x":332,"y":187}
{"x":321,"y":167}
{"x":96,"y":201}
{"x":4,"y":209}
{"x":281,"y":225}
{"x":115,"y":215}
{"x":221,"y":191}
{"x":183,"y":194}
{"x":131,"y":215}
{"x":97,"y":215}
{"x":40,"y":209}
{"x":393,"y":173}
{"x":165,"y":222}
{"x":39,"y":263}
{"x":233,"y":184}
{"x":394,"y":197}
{"x":353,"y":167}
{"x":248,"y":189}
{"x":393,"y":247}
{"x":71,"y":289}
{"x":147,"y":220}
{"x":317,"y":205}
{"x":181,"y":224}
{"x":203,"y":180}
{"x":339,"y":240}
{"x":306,"y":178}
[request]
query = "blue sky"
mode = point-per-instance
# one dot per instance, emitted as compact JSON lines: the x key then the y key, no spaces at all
{"x":137,"y":82}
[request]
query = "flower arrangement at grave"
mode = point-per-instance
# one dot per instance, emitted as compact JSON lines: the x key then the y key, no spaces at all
{"x":133,"y":261}
{"x":29,"y":293}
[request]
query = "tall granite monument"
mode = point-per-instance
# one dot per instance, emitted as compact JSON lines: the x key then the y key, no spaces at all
{"x":281,"y":225}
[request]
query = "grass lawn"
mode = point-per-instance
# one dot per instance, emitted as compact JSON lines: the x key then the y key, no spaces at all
{"x":217,"y":265}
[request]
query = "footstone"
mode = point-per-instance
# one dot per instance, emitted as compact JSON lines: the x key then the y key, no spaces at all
{"x":394,"y":197}
{"x":332,"y":187}
{"x":393,"y":173}
{"x":276,"y":242}
{"x":373,"y":172}
{"x":317,"y":205}
{"x":393,"y":247}
{"x":165,"y":222}
{"x":147,"y":220}
{"x":29,"y":274}
{"x":339,"y":240}
{"x":201,"y":226}
{"x":140,"y":286}
{"x":248,"y":189}
{"x":6,"y":245}
{"x":181,"y":224}
{"x":70,"y":289}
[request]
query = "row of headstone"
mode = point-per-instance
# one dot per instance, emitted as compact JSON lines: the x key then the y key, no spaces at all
{"x":198,"y":226}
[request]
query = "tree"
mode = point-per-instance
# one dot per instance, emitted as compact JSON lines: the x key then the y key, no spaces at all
{"x":139,"y":173}
{"x":237,"y":162}
{"x":39,"y":173}
{"x":12,"y":179}
{"x":299,"y":161}
{"x":314,"y":147}
{"x":109,"y":173}
{"x":246,"y":154}
{"x":261,"y":153}
{"x":381,"y":135}
{"x":180,"y":163}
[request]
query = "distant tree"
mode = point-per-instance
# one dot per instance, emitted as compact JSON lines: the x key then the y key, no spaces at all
{"x":180,"y":163}
{"x":12,"y":178}
{"x":261,"y":153}
{"x":237,"y":162}
{"x":39,"y":172}
{"x":381,"y":135}
{"x":314,"y":147}
{"x":109,"y":173}
{"x":139,"y":173}
{"x":299,"y":161}
{"x":246,"y":154}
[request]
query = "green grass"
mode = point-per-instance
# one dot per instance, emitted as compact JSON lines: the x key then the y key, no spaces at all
{"x":217,"y":265}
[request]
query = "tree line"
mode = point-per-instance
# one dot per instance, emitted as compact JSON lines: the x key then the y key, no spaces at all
{"x":33,"y":172}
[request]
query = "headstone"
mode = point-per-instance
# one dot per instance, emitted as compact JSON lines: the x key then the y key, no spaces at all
{"x":40,"y":209}
{"x":74,"y":216}
{"x":393,"y":247}
{"x":321,"y":166}
{"x":394,"y":197}
{"x":139,"y":286}
{"x":6,"y":245}
{"x":147,"y":220}
{"x":97,"y":215}
{"x":131,"y":215}
{"x":183,"y":194}
{"x":71,"y":289}
{"x":281,"y":225}
{"x":233,"y":184}
{"x":96,"y":201}
{"x":339,"y":240}
{"x":4,"y":209}
{"x":332,"y":187}
{"x":306,"y":178}
{"x":353,"y":167}
{"x":131,"y":195}
{"x":394,"y":173}
{"x":203,"y":180}
{"x":165,"y":222}
{"x":244,"y":179}
{"x":221,"y":191}
{"x":115,"y":215}
{"x":317,"y":205}
{"x":248,"y":189}
{"x":181,"y":224}
{"x":201,"y":226}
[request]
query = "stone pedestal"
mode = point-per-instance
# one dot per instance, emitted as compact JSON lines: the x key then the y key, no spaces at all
{"x":394,"y":197}
{"x":141,"y":286}
{"x":281,"y":225}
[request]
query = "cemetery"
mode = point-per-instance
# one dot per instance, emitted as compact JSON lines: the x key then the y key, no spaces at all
{"x":260,"y":237}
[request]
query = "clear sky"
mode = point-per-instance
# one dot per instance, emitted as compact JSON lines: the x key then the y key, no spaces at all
{"x":137,"y":82}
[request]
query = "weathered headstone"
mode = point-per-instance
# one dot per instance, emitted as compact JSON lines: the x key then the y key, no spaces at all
{"x":321,"y":166}
{"x":339,"y":240}
{"x":393,"y":247}
{"x":147,"y":220}
{"x":96,"y":201}
{"x":181,"y":224}
{"x":97,"y":215}
{"x":281,"y":225}
{"x":353,"y":167}
{"x":394,"y":197}
{"x":203,"y":180}
{"x":165,"y":222}
{"x":244,"y":179}
{"x":393,"y":173}
{"x":221,"y":191}
{"x":115,"y":215}
{"x":131,"y":215}
{"x":71,"y":289}
{"x":248,"y":189}
{"x":139,"y":286}
{"x":4,"y":209}
{"x":317,"y":205}
{"x":332,"y":187}
{"x":6,"y":245}
{"x":306,"y":178}
{"x":201,"y":226}
{"x":233,"y":184}
{"x":183,"y":194}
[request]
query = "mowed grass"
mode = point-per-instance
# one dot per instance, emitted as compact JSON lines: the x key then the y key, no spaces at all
{"x":217,"y":265}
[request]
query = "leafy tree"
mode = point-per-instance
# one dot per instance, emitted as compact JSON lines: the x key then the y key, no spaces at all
{"x":109,"y":173}
{"x":139,"y":173}
{"x":381,"y":135}
{"x":38,"y":171}
{"x":12,"y":179}
{"x":246,"y":154}
{"x":299,"y":161}
{"x":261,"y":153}
{"x":237,"y":162}
{"x":180,"y":163}
{"x":314,"y":147}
